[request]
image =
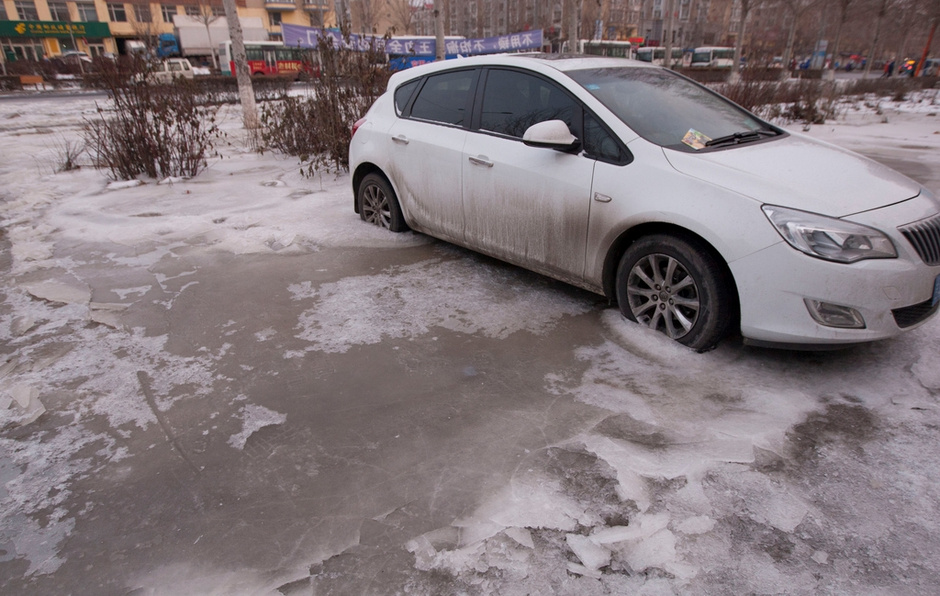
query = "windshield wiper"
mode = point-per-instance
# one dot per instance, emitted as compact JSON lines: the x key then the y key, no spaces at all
{"x":741,"y":137}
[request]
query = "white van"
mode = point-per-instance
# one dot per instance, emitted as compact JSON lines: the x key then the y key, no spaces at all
{"x":166,"y":70}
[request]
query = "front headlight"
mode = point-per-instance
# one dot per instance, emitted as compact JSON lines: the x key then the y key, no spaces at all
{"x":829,"y":238}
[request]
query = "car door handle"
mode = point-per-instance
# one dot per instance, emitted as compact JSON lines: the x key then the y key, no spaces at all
{"x":602,"y":198}
{"x":481,"y":161}
{"x":400,"y":139}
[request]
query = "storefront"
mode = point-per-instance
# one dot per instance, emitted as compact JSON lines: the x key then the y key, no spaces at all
{"x":35,"y":40}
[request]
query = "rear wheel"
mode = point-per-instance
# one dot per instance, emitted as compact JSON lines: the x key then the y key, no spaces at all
{"x":677,"y":287}
{"x":378,"y":204}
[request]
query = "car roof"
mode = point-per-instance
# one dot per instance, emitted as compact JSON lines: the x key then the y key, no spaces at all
{"x":535,"y":61}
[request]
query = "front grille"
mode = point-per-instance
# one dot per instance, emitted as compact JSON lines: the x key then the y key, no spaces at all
{"x":924,"y":235}
{"x":912,"y":315}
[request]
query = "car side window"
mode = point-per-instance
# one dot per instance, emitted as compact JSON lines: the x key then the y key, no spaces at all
{"x":513,"y":101}
{"x":403,"y":94}
{"x":600,"y":144}
{"x":445,"y":98}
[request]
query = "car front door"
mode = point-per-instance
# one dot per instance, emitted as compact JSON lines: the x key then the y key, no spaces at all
{"x":526,"y":205}
{"x":426,"y":146}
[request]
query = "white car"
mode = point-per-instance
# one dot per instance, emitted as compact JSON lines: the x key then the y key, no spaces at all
{"x":697,"y":217}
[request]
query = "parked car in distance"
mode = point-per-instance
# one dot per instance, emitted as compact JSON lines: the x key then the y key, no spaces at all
{"x":700,"y":219}
{"x":931,"y":67}
{"x":74,"y":57}
{"x":164,"y":71}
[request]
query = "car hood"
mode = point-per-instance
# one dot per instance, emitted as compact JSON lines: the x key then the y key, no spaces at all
{"x":801,"y":173}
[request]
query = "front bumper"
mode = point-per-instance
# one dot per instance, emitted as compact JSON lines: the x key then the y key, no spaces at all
{"x":892,"y":295}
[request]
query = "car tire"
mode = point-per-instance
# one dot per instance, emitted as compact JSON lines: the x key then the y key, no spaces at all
{"x":378,"y":204}
{"x":677,"y":286}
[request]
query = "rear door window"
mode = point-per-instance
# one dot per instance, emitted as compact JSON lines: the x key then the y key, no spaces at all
{"x":445,"y":98}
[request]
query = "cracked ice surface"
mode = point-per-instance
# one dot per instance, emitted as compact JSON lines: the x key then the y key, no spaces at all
{"x":680,"y":435}
{"x":735,"y":471}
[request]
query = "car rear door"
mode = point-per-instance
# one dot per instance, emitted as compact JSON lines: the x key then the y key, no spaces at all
{"x":526,"y":205}
{"x":426,"y":151}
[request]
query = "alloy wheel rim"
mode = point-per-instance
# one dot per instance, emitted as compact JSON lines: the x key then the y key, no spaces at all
{"x":663,"y":295}
{"x":375,"y":207}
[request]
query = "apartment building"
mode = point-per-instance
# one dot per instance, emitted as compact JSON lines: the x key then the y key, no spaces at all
{"x":34,"y":29}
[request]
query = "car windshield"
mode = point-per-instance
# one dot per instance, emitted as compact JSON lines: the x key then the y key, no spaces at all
{"x":669,"y":110}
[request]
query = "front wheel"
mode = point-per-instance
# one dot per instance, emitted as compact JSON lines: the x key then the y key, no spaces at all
{"x":677,"y":287}
{"x":378,"y":204}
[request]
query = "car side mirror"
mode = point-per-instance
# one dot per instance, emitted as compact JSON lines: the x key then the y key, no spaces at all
{"x":551,"y":134}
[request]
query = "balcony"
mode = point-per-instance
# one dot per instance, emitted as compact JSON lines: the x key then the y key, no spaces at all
{"x":280,"y":5}
{"x":318,"y":6}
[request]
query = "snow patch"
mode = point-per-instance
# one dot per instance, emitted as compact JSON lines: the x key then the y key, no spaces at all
{"x":254,"y":418}
{"x":407,"y":302}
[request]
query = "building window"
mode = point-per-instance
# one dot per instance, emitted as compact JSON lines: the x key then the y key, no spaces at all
{"x":218,"y":11}
{"x":274,"y":18}
{"x":167,"y":11}
{"x":192,"y":11}
{"x":3,"y":12}
{"x":87,"y":12}
{"x":142,"y":13}
{"x":26,"y":10}
{"x":116,"y":12}
{"x":58,"y":11}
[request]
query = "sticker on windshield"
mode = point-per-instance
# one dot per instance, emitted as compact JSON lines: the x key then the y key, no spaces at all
{"x":695,"y":139}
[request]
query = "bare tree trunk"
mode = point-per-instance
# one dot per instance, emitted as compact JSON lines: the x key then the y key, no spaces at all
{"x":882,"y":11}
{"x":246,"y":93}
{"x":843,"y":17}
{"x":667,"y":58}
{"x":923,"y":57}
{"x":572,"y":8}
{"x":791,"y":37}
{"x":739,"y":42}
{"x":439,"y":30}
{"x":906,"y":18}
{"x":213,"y":51}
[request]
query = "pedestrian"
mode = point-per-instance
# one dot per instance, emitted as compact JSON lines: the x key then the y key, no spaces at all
{"x":889,"y":68}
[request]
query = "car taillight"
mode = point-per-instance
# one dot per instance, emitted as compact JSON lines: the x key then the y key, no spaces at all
{"x":356,"y":126}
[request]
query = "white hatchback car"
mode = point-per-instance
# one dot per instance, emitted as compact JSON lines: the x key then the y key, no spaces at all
{"x":632,"y":181}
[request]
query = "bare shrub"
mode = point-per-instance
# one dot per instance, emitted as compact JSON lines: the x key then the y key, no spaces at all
{"x":317,"y":128}
{"x":155,"y":130}
{"x":67,"y":153}
{"x":751,"y":94}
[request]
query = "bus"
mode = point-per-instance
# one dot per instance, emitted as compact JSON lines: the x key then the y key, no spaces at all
{"x":658,"y":56}
{"x":712,"y":57}
{"x":269,"y":58}
{"x":606,"y":47}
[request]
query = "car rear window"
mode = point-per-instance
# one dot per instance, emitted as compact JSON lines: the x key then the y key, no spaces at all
{"x":445,"y":98}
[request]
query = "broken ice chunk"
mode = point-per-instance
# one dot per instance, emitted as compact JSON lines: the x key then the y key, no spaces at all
{"x":25,"y":401}
{"x":59,"y":292}
{"x":592,"y":555}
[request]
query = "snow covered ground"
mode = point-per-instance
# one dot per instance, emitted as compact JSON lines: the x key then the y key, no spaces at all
{"x":587,"y":455}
